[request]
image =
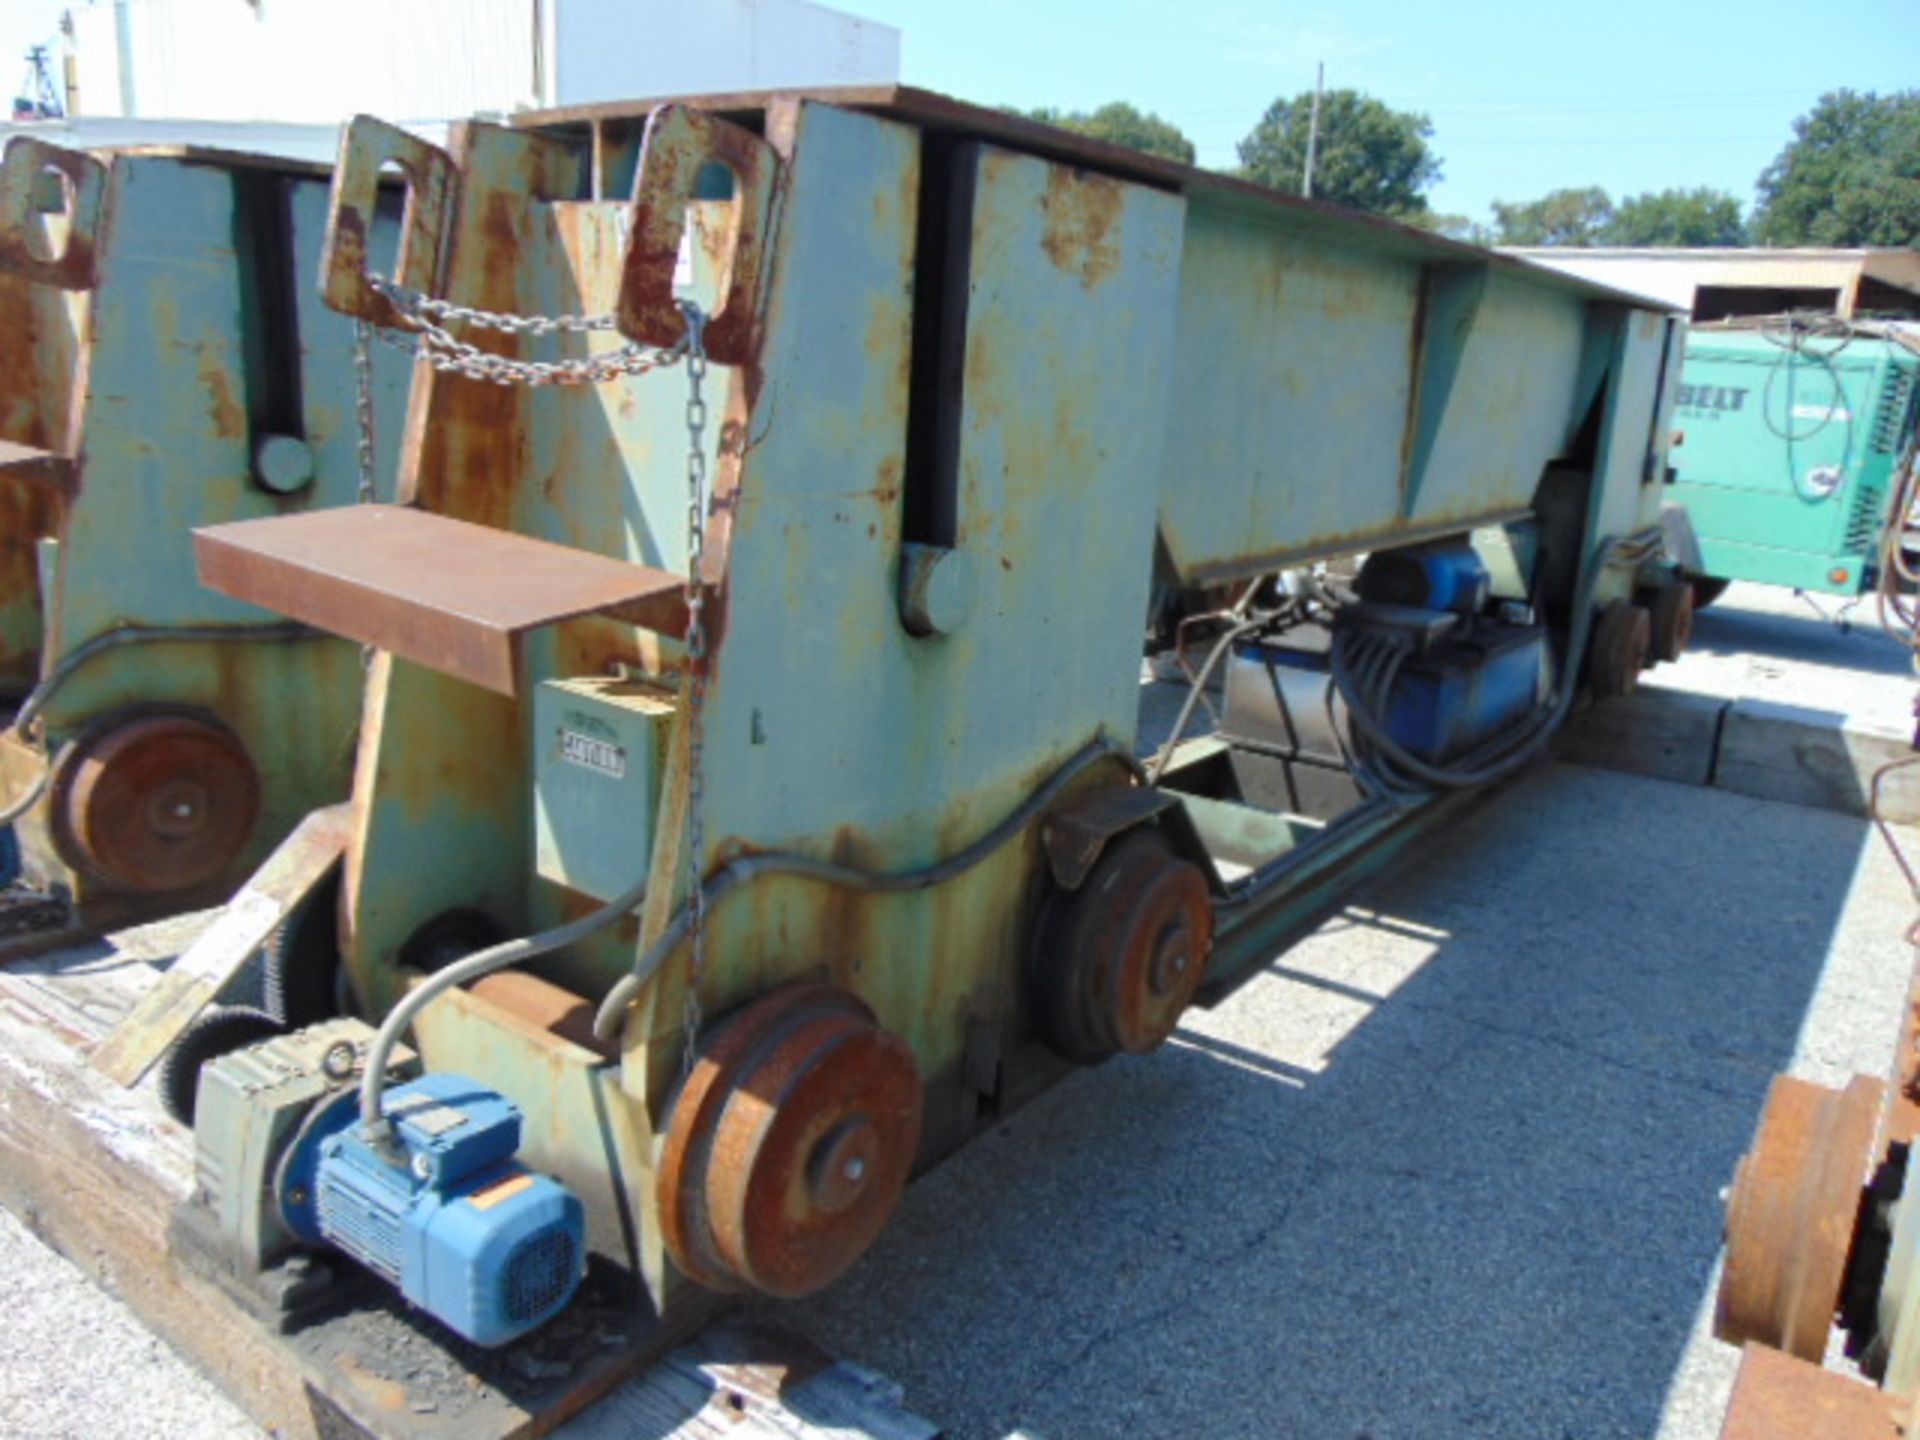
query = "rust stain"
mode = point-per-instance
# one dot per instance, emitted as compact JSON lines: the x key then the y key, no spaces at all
{"x":378,"y":1390}
{"x":229,"y":416}
{"x":887,"y":490}
{"x":1081,"y":213}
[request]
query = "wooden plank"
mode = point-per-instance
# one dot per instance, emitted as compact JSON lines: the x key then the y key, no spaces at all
{"x":450,"y":595}
{"x":291,"y":873}
{"x":746,"y":1381}
{"x":97,"y":1171}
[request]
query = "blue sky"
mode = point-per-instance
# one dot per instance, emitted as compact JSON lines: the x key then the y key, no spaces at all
{"x":1632,"y":95}
{"x":1629,"y":94}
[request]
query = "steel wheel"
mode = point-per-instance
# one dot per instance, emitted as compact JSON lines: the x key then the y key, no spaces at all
{"x":788,"y":1145}
{"x":154,"y":803}
{"x":1117,"y":961}
{"x":1791,"y":1214}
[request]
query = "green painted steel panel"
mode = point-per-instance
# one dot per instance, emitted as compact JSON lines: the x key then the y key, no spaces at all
{"x":830,"y":728}
{"x":1787,"y":465}
{"x":166,"y":416}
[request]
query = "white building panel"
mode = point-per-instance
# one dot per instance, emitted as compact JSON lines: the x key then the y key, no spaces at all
{"x":321,"y":61}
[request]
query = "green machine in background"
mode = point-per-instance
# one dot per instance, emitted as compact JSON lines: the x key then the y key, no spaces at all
{"x":1793,"y":433}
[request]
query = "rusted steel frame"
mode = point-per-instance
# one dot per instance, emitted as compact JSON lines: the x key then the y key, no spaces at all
{"x":542,"y":1006}
{"x":366,"y":146}
{"x":83,"y":179}
{"x":1900,"y":1123}
{"x":1777,"y":1397}
{"x":679,"y":145}
{"x":934,"y":113}
{"x":294,"y":870}
{"x":445,"y":593}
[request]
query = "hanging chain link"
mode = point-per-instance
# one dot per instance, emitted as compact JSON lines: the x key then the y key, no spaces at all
{"x":363,"y":404}
{"x":697,"y":499}
{"x":424,"y":333}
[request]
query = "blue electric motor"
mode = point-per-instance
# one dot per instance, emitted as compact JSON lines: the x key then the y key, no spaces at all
{"x":1440,"y":575}
{"x":483,"y":1244}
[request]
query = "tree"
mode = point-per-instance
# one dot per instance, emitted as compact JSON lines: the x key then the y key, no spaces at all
{"x":1561,"y":217}
{"x":1849,"y":177}
{"x":1367,"y":156}
{"x":1697,"y":217}
{"x":1119,"y":123}
{"x":1455,"y":227}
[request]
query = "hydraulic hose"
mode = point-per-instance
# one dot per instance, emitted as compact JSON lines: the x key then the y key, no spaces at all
{"x":1365,"y":682}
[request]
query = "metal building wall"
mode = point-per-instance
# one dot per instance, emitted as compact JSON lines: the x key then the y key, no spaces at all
{"x":322,"y":61}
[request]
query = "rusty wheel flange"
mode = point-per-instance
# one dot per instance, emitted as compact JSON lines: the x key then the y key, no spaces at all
{"x":1671,"y":619}
{"x":1622,"y":644}
{"x":1117,"y":961}
{"x":788,"y":1145}
{"x":155,"y":802}
{"x":1791,"y":1214}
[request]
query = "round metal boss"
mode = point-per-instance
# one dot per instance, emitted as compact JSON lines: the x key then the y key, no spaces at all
{"x":788,"y":1145}
{"x":161,"y":802}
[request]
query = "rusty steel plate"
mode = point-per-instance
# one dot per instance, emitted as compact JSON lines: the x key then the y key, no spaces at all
{"x":788,"y":1145}
{"x":679,"y":144}
{"x":82,"y":180}
{"x":1120,"y":958}
{"x":162,"y":802}
{"x":450,"y":595}
{"x":1777,"y":1397}
{"x":1791,"y":1214}
{"x":368,"y":147}
{"x":1622,"y":641}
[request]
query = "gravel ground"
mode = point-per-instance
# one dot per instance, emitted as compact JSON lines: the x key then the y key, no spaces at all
{"x":78,"y":1365}
{"x":1449,"y":1168}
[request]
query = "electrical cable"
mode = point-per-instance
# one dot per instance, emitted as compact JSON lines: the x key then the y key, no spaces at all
{"x":63,"y":669}
{"x":1164,"y":756}
{"x":719,"y":885}
{"x":1364,"y":666}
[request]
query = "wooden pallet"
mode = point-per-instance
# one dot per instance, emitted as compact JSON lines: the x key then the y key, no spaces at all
{"x":98,"y":1172}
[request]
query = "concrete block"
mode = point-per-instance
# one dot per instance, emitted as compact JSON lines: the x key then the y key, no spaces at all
{"x":1664,"y":734}
{"x":1814,"y":757}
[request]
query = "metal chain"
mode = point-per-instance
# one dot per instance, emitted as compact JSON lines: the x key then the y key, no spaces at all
{"x":363,"y":403}
{"x":694,"y":349}
{"x":426,"y":333}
